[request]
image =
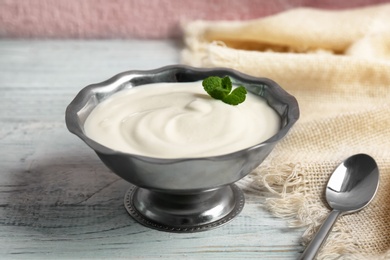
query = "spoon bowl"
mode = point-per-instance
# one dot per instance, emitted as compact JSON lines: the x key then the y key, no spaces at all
{"x":353,"y":184}
{"x":351,"y":187}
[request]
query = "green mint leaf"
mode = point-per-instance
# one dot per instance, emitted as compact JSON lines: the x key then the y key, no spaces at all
{"x":214,"y":87}
{"x":210,"y":83}
{"x":226,"y":84}
{"x":237,"y":96}
{"x":221,"y":89}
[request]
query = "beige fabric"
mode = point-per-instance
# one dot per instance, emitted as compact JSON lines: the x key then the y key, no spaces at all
{"x":337,"y":64}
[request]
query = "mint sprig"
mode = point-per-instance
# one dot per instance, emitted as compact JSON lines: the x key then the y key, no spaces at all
{"x":221,"y":89}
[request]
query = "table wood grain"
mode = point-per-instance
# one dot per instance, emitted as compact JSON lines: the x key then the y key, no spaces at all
{"x":58,"y":201}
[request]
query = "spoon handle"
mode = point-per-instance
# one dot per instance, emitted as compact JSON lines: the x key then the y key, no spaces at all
{"x":315,"y":245}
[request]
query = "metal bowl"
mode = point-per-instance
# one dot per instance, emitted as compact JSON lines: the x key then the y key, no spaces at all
{"x":184,"y":194}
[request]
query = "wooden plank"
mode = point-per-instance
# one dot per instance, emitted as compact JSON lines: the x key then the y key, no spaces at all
{"x":57,"y":200}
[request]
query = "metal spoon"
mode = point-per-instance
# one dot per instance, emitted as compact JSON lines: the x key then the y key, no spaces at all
{"x":351,"y":187}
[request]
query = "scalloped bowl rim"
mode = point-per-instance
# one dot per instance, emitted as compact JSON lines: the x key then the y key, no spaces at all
{"x":81,"y":99}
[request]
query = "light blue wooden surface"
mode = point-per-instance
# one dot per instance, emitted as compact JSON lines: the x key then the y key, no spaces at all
{"x":57,"y":200}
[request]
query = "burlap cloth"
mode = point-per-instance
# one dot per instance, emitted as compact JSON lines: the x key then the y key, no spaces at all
{"x":337,"y":65}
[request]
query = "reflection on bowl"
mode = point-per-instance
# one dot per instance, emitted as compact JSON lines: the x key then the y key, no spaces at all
{"x":182,"y":194}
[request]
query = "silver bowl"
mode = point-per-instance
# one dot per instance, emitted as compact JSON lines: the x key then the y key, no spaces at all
{"x":184,"y":194}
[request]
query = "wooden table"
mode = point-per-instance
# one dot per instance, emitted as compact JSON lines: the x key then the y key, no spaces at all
{"x":57,"y":200}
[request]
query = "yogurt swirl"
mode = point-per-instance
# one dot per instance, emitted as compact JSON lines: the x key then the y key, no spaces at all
{"x":177,"y":120}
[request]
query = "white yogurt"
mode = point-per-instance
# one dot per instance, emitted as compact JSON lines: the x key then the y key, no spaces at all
{"x":177,"y":120}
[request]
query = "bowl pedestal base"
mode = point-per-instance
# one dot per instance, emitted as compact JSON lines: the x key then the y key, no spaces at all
{"x":184,"y":212}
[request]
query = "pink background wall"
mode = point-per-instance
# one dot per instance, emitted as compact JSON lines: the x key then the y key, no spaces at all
{"x":135,"y":18}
